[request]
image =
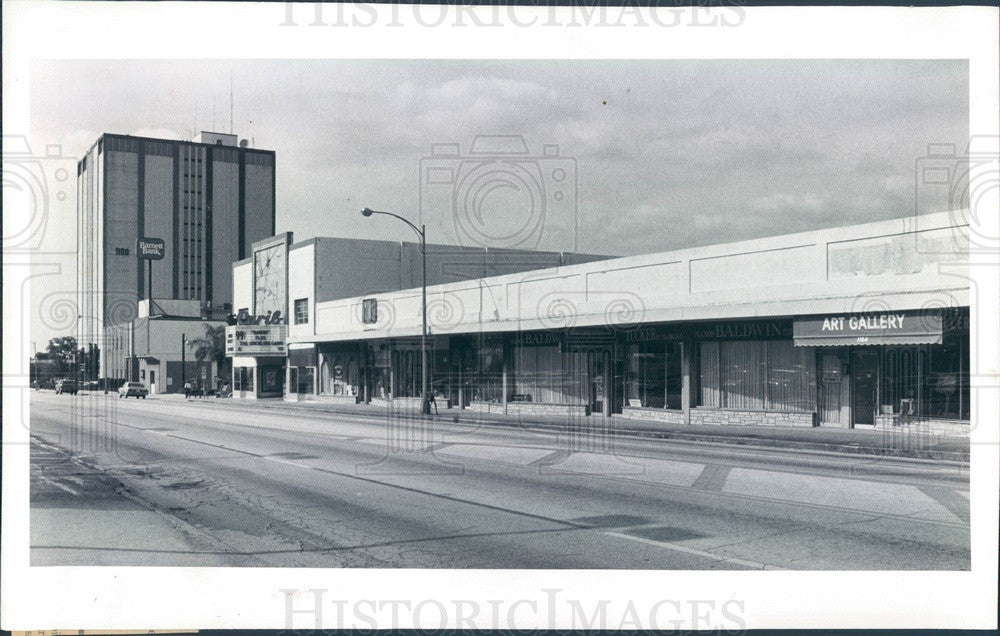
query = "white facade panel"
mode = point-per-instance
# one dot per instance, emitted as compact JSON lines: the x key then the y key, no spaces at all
{"x":762,"y":268}
{"x":777,"y":276}
{"x":242,"y":286}
{"x":302,"y":286}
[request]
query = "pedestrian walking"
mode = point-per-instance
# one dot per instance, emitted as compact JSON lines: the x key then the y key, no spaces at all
{"x":187,"y":390}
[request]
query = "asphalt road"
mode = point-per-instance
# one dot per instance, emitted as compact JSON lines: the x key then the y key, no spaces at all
{"x":165,"y":482}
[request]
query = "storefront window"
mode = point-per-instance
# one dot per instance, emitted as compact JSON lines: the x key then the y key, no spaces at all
{"x":791,"y":377}
{"x":306,"y":379}
{"x":927,"y":381}
{"x":340,"y":373}
{"x":654,"y":375}
{"x":381,"y":372}
{"x":487,"y":386}
{"x":757,"y":375}
{"x":406,"y":382}
{"x":947,"y":386}
{"x":243,"y":379}
{"x":547,"y":375}
{"x":646,"y":376}
{"x":272,"y":379}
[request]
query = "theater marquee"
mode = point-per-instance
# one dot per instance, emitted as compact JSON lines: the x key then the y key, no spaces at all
{"x":256,"y":340}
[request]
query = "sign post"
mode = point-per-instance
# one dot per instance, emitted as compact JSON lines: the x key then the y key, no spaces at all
{"x":150,"y":249}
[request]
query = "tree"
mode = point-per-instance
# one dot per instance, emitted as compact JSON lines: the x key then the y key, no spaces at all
{"x":211,"y":348}
{"x":63,"y":350}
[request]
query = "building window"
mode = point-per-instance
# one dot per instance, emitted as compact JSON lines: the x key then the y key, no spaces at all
{"x":369,"y":311}
{"x":654,"y":375}
{"x":243,"y":379}
{"x":301,"y":311}
{"x":546,"y":374}
{"x":303,"y":379}
{"x":757,"y":375}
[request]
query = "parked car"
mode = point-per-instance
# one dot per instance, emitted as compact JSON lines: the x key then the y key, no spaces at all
{"x":91,"y":385}
{"x":133,"y":389}
{"x":66,"y":385}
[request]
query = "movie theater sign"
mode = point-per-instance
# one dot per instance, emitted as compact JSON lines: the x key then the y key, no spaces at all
{"x":876,"y":328}
{"x":256,"y":340}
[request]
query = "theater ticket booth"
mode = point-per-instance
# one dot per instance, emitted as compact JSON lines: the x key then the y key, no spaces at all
{"x":851,"y":360}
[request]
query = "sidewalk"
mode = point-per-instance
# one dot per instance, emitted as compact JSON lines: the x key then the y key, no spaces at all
{"x":910,"y":442}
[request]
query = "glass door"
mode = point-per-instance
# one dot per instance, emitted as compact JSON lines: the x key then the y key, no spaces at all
{"x":834,"y":389}
{"x":864,"y":371}
{"x":598,"y":381}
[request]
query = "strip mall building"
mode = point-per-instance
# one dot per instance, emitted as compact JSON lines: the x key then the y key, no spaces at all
{"x":856,"y":326}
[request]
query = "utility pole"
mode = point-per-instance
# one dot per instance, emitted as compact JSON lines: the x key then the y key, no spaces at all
{"x":183,"y":370}
{"x":425,"y":402}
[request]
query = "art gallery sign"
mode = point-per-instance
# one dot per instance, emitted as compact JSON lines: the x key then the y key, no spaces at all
{"x":876,"y":328}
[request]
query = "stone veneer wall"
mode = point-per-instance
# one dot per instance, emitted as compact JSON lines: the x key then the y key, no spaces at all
{"x":653,"y":415}
{"x":527,"y":408}
{"x":485,"y":407}
{"x":537,"y":408}
{"x":729,"y":417}
{"x":337,"y":399}
{"x":956,"y":428}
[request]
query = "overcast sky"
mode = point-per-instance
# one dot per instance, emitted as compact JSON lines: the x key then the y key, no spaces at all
{"x":666,"y":154}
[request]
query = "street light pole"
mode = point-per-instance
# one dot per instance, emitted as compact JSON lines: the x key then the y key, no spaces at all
{"x":183,"y":360}
{"x":425,"y":402}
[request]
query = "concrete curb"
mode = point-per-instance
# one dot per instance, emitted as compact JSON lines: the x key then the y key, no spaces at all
{"x":858,"y":448}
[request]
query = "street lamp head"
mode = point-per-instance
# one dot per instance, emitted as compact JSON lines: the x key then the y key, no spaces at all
{"x":367,"y":212}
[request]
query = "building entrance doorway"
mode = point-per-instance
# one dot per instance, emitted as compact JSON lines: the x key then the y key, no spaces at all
{"x":834,"y":388}
{"x":600,"y":389}
{"x":864,"y":371}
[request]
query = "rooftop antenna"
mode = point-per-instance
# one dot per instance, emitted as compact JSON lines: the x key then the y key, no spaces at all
{"x":230,"y":101}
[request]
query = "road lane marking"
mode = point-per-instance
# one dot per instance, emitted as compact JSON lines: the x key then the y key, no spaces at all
{"x":692,"y":551}
{"x":712,"y":478}
{"x":732,"y":488}
{"x":369,"y":480}
{"x":430,"y":448}
{"x":865,"y":496}
{"x":948,"y":498}
{"x":58,"y":485}
{"x":551,"y":458}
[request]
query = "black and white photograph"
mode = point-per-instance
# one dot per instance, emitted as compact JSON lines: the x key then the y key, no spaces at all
{"x":492,"y":317}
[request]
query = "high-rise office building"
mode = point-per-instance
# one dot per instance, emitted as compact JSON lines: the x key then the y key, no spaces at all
{"x":207,"y":199}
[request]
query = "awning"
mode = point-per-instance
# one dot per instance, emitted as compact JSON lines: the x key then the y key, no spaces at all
{"x":302,"y":357}
{"x":918,"y":327}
